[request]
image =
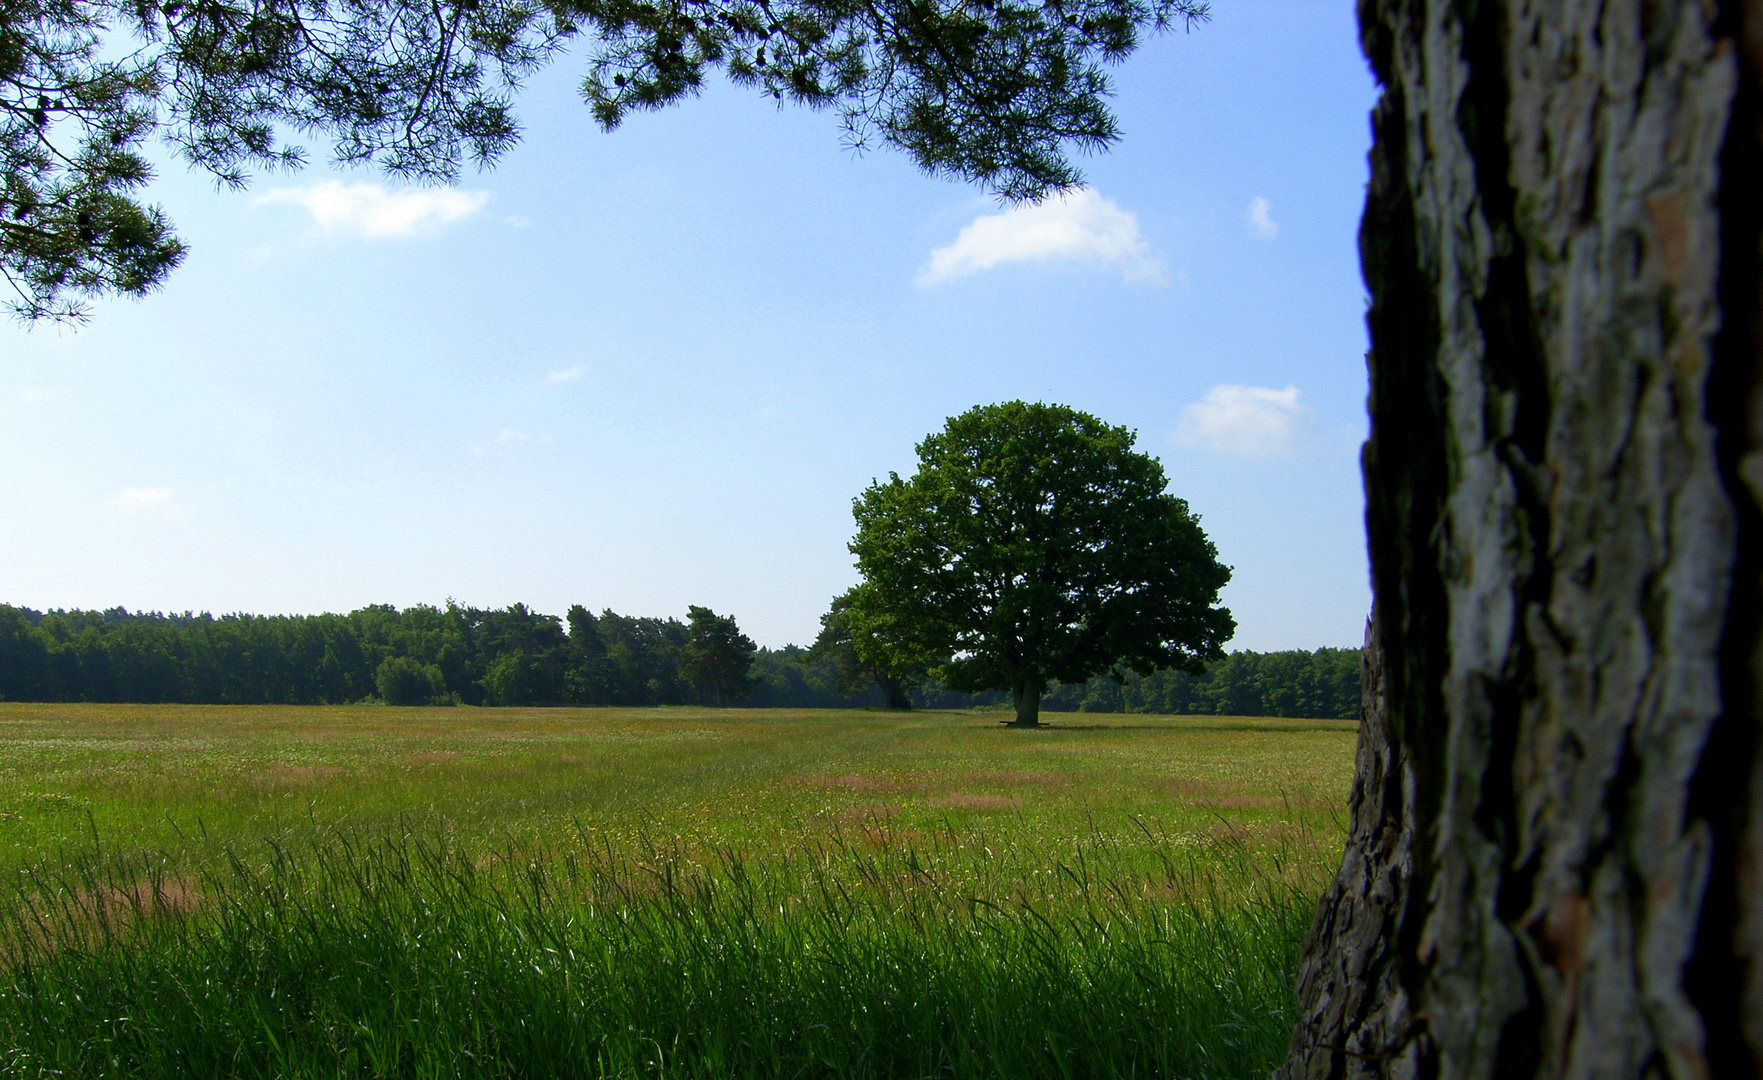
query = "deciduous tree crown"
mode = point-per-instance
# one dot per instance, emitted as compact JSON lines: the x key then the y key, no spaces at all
{"x":1033,"y":543}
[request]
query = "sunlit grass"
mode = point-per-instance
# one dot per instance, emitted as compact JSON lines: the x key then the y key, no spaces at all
{"x":381,"y":892}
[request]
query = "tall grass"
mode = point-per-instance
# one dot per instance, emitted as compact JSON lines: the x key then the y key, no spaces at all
{"x":861,"y":954}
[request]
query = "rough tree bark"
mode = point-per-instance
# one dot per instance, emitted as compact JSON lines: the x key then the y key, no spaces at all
{"x":1555,"y":866}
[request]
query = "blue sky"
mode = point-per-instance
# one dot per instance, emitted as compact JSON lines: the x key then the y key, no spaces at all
{"x":651,"y":368}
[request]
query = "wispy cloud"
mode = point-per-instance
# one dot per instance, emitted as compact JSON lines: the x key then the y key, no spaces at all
{"x":505,"y":440}
{"x":1079,"y":226}
{"x":1259,"y":218}
{"x":151,"y":500}
{"x":568,"y":374}
{"x":1246,"y":421}
{"x":369,"y":211}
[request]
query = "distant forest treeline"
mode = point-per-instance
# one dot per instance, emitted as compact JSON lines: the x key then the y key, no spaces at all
{"x":515,"y":656}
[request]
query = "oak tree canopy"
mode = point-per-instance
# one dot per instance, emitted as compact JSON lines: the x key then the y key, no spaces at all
{"x":1032,"y":544}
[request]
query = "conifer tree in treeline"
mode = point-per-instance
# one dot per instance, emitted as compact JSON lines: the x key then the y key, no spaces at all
{"x":717,"y":658}
{"x":590,"y":651}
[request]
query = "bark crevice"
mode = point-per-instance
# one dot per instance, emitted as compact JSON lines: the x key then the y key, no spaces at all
{"x":1725,"y":977}
{"x":1515,"y":421}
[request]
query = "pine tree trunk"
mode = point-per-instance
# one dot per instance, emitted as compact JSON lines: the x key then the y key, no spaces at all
{"x":1355,"y":1005}
{"x":1555,"y":864}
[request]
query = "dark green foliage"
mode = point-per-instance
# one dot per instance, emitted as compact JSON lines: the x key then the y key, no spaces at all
{"x":853,"y":672}
{"x":640,"y":664}
{"x":515,"y":678}
{"x":314,"y":659}
{"x":402,"y":680}
{"x":718,"y":658}
{"x":980,"y":89}
{"x":414,"y":88}
{"x":1033,"y":545}
{"x":523,"y":655}
{"x":73,"y":115}
{"x":25,"y":672}
{"x":1318,"y":685}
{"x":589,"y":650}
{"x":796,"y":678}
{"x":518,"y":657}
{"x":116,"y":656}
{"x":993,"y":90}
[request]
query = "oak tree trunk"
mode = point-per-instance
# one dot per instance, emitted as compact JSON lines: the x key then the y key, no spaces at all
{"x":894,"y":691}
{"x":1555,"y":863}
{"x":1025,"y":696}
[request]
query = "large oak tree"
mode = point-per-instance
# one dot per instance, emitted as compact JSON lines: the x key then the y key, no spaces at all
{"x":1032,"y":544}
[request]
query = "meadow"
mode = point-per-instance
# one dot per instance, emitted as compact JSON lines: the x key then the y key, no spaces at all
{"x":368,"y":891}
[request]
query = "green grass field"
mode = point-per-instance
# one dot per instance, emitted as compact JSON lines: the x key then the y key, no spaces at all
{"x":262,"y":891}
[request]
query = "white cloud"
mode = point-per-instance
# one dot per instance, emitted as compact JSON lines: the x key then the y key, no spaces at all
{"x":1246,"y":421}
{"x":371,"y":212}
{"x":157,"y":500}
{"x":505,"y":441}
{"x":1079,"y":226}
{"x":1259,"y":217}
{"x":568,"y":374}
